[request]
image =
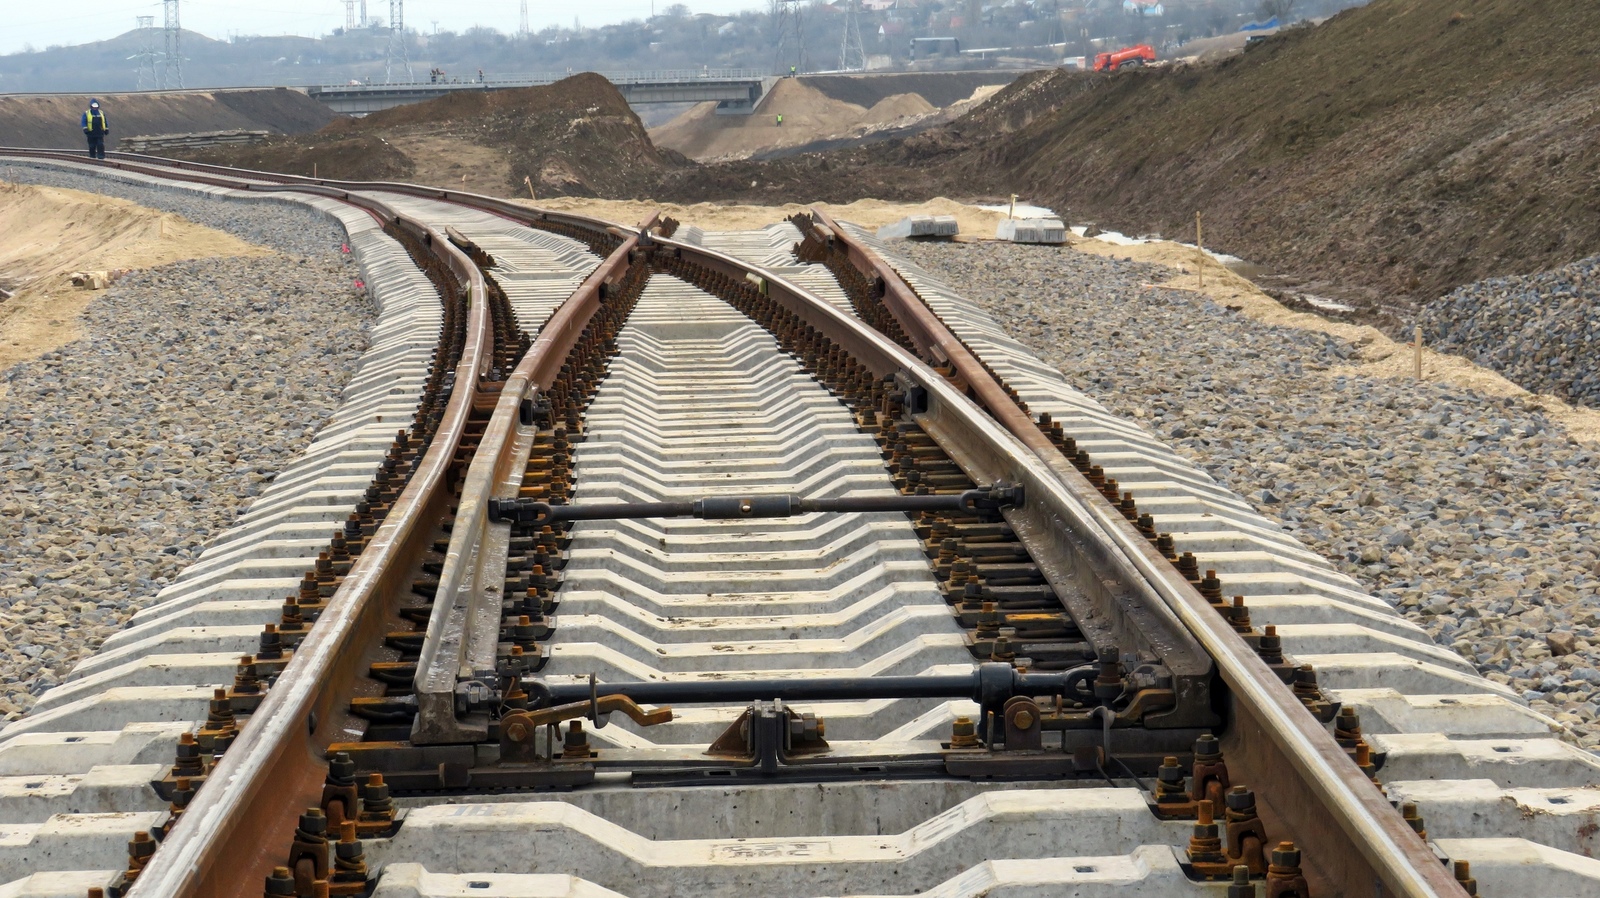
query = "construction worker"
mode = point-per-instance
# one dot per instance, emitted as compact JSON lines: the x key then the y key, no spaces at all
{"x":96,"y":129}
{"x":780,"y":120}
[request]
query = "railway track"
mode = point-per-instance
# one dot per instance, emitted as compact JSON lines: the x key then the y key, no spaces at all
{"x":680,"y":562}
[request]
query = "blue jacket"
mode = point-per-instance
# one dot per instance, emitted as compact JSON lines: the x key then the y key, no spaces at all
{"x":99,"y":123}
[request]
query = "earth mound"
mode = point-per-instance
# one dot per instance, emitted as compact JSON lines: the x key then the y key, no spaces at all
{"x":576,"y":137}
{"x":333,"y":153}
{"x":806,"y":113}
{"x":1406,"y":146}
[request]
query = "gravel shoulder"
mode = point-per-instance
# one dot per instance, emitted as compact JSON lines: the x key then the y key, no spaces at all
{"x":122,"y":452}
{"x":1472,"y":510}
{"x":53,"y":232}
{"x":1376,"y":354}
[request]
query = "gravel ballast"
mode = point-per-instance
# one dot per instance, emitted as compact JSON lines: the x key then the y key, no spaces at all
{"x":123,"y":452}
{"x":1541,"y":331}
{"x":1477,"y":517}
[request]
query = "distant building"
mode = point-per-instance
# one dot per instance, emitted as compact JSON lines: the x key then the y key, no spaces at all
{"x":934,"y":47}
{"x":1147,"y":7}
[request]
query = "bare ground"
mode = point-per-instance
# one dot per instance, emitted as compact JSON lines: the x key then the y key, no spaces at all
{"x":50,"y":233}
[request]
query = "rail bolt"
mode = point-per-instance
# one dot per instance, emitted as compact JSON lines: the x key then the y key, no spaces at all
{"x":963,"y":733}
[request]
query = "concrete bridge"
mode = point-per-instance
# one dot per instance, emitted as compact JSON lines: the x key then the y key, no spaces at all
{"x":735,"y":91}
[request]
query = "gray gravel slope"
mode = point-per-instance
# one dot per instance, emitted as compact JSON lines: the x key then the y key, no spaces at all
{"x":123,"y":452}
{"x":1541,"y":331}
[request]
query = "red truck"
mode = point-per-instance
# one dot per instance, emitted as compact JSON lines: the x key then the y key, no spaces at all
{"x":1127,"y":57}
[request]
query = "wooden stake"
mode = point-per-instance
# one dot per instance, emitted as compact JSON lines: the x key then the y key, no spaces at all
{"x":1200,"y":248}
{"x":1012,"y":212}
{"x":313,"y":170}
{"x":1416,"y":335}
{"x":529,"y":181}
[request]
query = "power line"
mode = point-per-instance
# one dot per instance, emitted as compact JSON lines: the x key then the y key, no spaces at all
{"x":852,"y":56}
{"x":791,"y":54}
{"x":172,"y":57}
{"x":396,"y":52}
{"x":148,"y":79}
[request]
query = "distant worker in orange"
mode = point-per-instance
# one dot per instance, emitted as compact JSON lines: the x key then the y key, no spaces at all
{"x":96,"y":129}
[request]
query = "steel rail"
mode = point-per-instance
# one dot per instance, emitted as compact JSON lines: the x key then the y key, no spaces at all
{"x":463,"y":630}
{"x":273,"y":770}
{"x":229,"y":833}
{"x":494,"y":205}
{"x":1299,"y":771}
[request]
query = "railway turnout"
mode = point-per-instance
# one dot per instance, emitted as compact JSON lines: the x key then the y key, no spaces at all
{"x":648,"y":561}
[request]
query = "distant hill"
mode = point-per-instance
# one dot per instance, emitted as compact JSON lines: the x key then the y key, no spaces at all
{"x":113,"y":65}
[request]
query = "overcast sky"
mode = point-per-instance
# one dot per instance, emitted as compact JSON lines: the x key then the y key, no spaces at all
{"x":81,"y":21}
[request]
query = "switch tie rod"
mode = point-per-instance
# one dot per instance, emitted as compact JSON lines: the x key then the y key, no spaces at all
{"x":723,"y":508}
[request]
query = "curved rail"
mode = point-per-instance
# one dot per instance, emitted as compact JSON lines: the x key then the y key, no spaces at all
{"x":1309,"y":774}
{"x":462,"y":635}
{"x":226,"y":834}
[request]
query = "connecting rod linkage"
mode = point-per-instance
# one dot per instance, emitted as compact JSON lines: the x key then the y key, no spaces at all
{"x":529,"y":511}
{"x":990,"y":685}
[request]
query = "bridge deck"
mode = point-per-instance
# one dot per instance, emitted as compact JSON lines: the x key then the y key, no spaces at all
{"x":734,"y":90}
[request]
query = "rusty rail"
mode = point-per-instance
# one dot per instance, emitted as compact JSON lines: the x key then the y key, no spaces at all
{"x":463,"y":630}
{"x":1302,"y":776}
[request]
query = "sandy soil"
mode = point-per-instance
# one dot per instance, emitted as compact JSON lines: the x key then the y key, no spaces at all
{"x":442,"y":159}
{"x":1379,"y":356}
{"x":808,"y":114}
{"x":50,"y":233}
{"x":733,"y":217}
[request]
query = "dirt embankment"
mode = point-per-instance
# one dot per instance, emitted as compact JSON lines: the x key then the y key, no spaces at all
{"x":1391,"y":153}
{"x":1402,"y":148}
{"x":51,"y":120}
{"x":339,"y":151}
{"x":817,"y":113}
{"x":792,"y":113}
{"x":577,"y":137}
{"x":49,"y":233}
{"x":939,"y":89}
{"x":1387,"y":155}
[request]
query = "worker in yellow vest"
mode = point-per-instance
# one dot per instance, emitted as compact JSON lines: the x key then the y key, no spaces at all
{"x":96,"y":129}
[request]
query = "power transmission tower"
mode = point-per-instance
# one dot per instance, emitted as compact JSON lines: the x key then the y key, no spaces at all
{"x":148,"y":79}
{"x":172,"y":59}
{"x":397,"y":42}
{"x":349,"y":15}
{"x":852,"y":56}
{"x":791,"y":55}
{"x":523,"y":28}
{"x":363,"y":13}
